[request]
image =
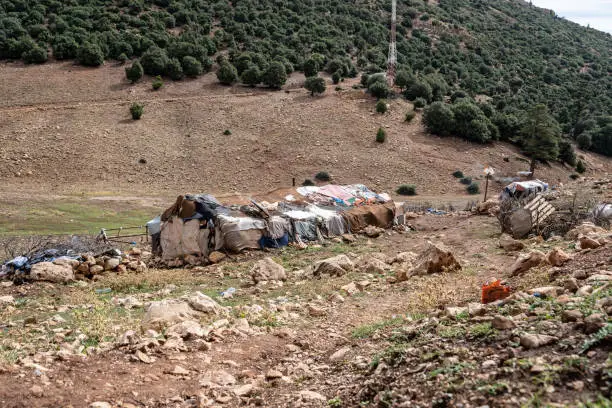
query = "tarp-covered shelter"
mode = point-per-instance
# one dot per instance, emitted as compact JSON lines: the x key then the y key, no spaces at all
{"x":521,"y":189}
{"x":198,"y":224}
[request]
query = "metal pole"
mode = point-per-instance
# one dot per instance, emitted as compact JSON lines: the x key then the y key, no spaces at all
{"x":486,"y":187}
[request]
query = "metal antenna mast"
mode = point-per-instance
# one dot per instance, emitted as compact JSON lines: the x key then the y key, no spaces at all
{"x":392,"y":59}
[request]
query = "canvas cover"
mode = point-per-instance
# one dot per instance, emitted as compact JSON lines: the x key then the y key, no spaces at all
{"x":241,"y":233}
{"x":179,"y":238}
{"x":523,"y":188}
{"x":378,"y":215}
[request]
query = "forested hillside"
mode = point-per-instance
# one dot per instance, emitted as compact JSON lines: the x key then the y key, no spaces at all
{"x":508,"y":50}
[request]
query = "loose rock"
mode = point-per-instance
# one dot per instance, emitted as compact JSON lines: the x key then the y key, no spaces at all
{"x":268,"y":270}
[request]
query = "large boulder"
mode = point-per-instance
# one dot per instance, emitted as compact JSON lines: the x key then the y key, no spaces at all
{"x":335,"y":266}
{"x":203,"y":303}
{"x":51,"y":272}
{"x":404,"y":257}
{"x":164,"y":313}
{"x":585,"y":242}
{"x":373,"y":232}
{"x":490,"y":207}
{"x":268,"y":270}
{"x":586,"y":228}
{"x":526,"y":262}
{"x":187,"y":330}
{"x":510,"y":244}
{"x":111,"y":263}
{"x":557,"y":257}
{"x":436,"y":258}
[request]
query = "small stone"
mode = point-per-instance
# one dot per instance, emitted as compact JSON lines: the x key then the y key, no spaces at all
{"x":594,"y":322}
{"x":37,"y":391}
{"x":577,"y":385}
{"x":546,"y":291}
{"x":587,"y":243}
{"x":273,"y":375}
{"x":316,"y":311}
{"x":503,"y":323}
{"x":350,"y":289}
{"x":455,"y":311}
{"x":580,"y":274}
{"x":7,"y":300}
{"x":143,"y":357}
{"x":571,"y":316}
{"x":557,"y":257}
{"x":340,"y":354}
{"x":585,"y":290}
{"x":178,"y":370}
{"x":216,"y":257}
{"x":571,"y":284}
{"x":96,"y":269}
{"x":111,"y":263}
{"x":312,"y":396}
{"x":531,"y":341}
{"x":100,"y":404}
{"x":489,"y":364}
{"x":243,"y":390}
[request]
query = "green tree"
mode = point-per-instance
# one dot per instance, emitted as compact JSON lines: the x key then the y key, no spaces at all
{"x":275,"y":76}
{"x":540,"y":136}
{"x":90,"y":54}
{"x":191,"y":66}
{"x":566,"y":152}
{"x":439,"y":119}
{"x":315,"y":84}
{"x":336,"y":77}
{"x":174,"y":69}
{"x":36,"y":55}
{"x":154,"y":61}
{"x":379,"y":89}
{"x":135,"y":72}
{"x":311,"y":67}
{"x":227,"y":74}
{"x":381,"y":106}
{"x":251,"y":76}
{"x":404,"y":79}
{"x":585,"y":140}
{"x":580,"y":167}
{"x":419,"y":90}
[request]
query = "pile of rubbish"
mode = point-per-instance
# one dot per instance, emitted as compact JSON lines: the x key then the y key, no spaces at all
{"x":54,"y":265}
{"x":196,"y":226}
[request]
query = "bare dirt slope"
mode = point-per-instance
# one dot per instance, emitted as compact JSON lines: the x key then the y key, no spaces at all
{"x":67,"y":129}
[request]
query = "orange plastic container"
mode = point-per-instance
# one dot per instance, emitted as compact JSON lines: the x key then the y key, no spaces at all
{"x":494,"y":291}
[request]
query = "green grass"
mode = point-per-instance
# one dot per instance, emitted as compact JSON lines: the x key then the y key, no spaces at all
{"x":367,"y":330}
{"x":69,"y":217}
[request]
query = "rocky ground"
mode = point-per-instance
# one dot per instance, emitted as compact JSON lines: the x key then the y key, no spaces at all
{"x":388,"y":321}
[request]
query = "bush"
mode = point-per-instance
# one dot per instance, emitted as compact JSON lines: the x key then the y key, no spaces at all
{"x":381,"y":106}
{"x":574,"y":176}
{"x":404,"y":79}
{"x":409,"y":116}
{"x":419,"y":90}
{"x":136,"y":110}
{"x":419,"y":103}
{"x":251,"y":76}
{"x":458,"y":174}
{"x":316,"y":85}
{"x":466,"y":180}
{"x":566,"y":153}
{"x":473,"y":188}
{"x":311,"y":67}
{"x":584,"y":140}
{"x":580,"y":167}
{"x":135,"y":72}
{"x":275,"y":76}
{"x":157,"y":83}
{"x":154,"y":61}
{"x":308,"y":182}
{"x":471,"y":123}
{"x":381,"y":135}
{"x":336,"y":77}
{"x":227,"y":74}
{"x":406,"y":189}
{"x":122,"y":58}
{"x":227,"y":132}
{"x":439,"y":119}
{"x":322,"y":176}
{"x":379,"y":89}
{"x":90,"y":54}
{"x":174,"y":69}
{"x":191,"y":66}
{"x":36,"y":55}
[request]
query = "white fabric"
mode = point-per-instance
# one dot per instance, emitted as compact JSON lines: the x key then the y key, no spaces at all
{"x":307,"y":190}
{"x":299,"y":215}
{"x":241,"y":223}
{"x":321,"y":212}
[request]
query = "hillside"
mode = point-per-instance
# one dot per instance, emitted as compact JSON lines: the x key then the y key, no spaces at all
{"x":510,"y":51}
{"x":75,"y":134}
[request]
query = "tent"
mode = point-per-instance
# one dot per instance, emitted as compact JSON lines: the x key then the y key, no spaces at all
{"x":521,"y":189}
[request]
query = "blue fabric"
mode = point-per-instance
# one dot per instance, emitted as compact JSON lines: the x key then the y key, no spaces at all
{"x":267,"y":242}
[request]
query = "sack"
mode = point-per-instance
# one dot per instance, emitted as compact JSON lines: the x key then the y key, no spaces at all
{"x":494,"y":291}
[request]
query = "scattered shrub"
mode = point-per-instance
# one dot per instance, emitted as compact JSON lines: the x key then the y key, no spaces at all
{"x":90,"y":55}
{"x":439,"y":119}
{"x":227,"y":132}
{"x":135,"y":72}
{"x":419,"y":90}
{"x":122,"y":58}
{"x":275,"y":76}
{"x":227,"y":74}
{"x":381,"y":135}
{"x":419,"y":103}
{"x":174,"y":69}
{"x":336,"y":77}
{"x":316,"y":85}
{"x":580,"y":167}
{"x":406,"y":189}
{"x":251,"y":76}
{"x":585,"y":140}
{"x":157,"y":83}
{"x":458,"y":174}
{"x":308,"y":182}
{"x":322,"y":176}
{"x":566,"y":153}
{"x":409,"y":116}
{"x":466,"y":180}
{"x":379,"y":89}
{"x":574,"y":176}
{"x":191,"y":66}
{"x":154,"y":61}
{"x":473,"y":188}
{"x":136,"y":110}
{"x":381,"y":106}
{"x":311,"y":67}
